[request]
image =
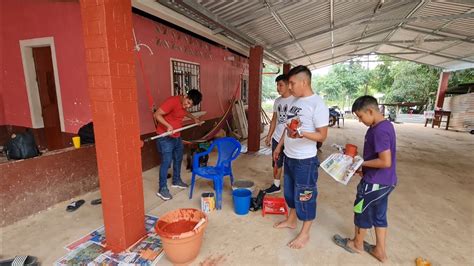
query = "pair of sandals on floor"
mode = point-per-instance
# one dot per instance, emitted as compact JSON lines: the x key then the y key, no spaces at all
{"x":342,"y":242}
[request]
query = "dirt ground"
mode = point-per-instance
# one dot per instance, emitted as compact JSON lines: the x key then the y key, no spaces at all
{"x":430,"y":212}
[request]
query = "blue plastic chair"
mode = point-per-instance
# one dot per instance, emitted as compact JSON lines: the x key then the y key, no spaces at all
{"x":228,"y":149}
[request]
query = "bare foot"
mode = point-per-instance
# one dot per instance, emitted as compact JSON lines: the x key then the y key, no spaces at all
{"x":381,"y":256}
{"x":284,"y":224}
{"x":352,"y":245}
{"x":299,"y":242}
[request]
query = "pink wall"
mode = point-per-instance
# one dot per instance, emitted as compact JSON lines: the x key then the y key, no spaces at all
{"x":29,"y":19}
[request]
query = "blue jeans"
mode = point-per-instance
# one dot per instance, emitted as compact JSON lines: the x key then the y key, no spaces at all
{"x":170,"y":149}
{"x":300,"y":185}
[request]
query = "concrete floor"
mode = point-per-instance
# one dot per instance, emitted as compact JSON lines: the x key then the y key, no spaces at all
{"x":430,"y":212}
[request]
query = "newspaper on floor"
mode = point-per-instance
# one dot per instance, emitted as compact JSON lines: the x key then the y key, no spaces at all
{"x":83,"y":254}
{"x":90,"y":249}
{"x":341,"y":167}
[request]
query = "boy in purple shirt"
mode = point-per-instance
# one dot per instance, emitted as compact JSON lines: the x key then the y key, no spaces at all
{"x":378,"y":180}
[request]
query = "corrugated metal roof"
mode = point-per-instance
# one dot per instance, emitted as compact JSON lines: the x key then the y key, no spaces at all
{"x":435,"y":32}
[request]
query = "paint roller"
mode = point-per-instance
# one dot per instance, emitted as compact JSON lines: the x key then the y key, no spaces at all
{"x":171,"y":132}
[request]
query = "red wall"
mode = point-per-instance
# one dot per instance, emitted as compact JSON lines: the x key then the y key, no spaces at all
{"x":219,"y":78}
{"x":29,"y":19}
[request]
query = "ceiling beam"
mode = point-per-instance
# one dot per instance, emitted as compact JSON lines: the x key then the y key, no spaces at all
{"x":447,"y":39}
{"x":430,"y":53}
{"x":418,"y":19}
{"x":411,"y":60}
{"x":438,"y":33}
{"x":251,"y":15}
{"x":163,"y":12}
{"x":377,"y":53}
{"x":377,"y":8}
{"x":446,"y":46}
{"x":309,"y":35}
{"x":215,"y":20}
{"x":344,"y":54}
{"x":401,"y":58}
{"x":282,"y":24}
{"x":346,"y":42}
{"x":420,"y":5}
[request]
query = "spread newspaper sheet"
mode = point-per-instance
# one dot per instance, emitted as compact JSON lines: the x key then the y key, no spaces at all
{"x":341,"y":167}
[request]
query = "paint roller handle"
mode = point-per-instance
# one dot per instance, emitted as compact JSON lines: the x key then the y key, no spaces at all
{"x":201,"y":222}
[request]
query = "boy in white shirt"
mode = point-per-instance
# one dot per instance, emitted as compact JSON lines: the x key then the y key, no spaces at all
{"x":301,"y":163}
{"x":277,"y":126}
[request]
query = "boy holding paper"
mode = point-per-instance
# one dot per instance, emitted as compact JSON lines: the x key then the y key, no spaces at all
{"x":379,"y":178}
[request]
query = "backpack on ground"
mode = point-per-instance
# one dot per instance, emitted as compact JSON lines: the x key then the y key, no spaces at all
{"x":21,"y":146}
{"x":86,"y":132}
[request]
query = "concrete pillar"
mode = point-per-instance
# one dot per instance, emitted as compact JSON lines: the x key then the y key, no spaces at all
{"x":286,"y":68}
{"x":107,"y":29}
{"x":255,"y":97}
{"x":442,"y":87}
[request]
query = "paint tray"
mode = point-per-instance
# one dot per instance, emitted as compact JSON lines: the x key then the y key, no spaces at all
{"x":274,"y":205}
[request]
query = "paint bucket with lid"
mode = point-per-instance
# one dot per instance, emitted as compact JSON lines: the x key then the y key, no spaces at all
{"x":181,"y":232}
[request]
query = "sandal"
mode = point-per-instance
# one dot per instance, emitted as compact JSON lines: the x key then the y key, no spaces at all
{"x":20,"y":260}
{"x":342,"y":242}
{"x":74,"y":205}
{"x":96,"y":202}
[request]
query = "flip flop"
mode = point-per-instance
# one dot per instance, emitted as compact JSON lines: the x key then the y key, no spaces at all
{"x":74,"y":205}
{"x":368,"y":247}
{"x":96,"y":202}
{"x":342,"y":242}
{"x":20,"y":260}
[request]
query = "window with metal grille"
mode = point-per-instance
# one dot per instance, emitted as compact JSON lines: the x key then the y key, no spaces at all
{"x":244,"y":90}
{"x":185,"y":78}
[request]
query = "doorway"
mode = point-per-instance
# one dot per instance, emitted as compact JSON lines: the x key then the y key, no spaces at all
{"x":39,"y":63}
{"x":48,"y":98}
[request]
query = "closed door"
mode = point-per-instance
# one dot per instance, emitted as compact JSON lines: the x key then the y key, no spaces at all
{"x":48,"y":99}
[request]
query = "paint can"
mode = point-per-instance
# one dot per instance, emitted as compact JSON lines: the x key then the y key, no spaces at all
{"x":208,"y":202}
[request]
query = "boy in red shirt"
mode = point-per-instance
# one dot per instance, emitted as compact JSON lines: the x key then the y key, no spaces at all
{"x":170,"y":117}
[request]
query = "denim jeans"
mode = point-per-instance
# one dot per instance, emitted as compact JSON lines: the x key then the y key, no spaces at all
{"x":170,"y":149}
{"x":301,"y":191}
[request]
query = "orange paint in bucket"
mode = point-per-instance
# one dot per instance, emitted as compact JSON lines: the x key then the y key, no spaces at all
{"x":351,"y":150}
{"x":181,"y":232}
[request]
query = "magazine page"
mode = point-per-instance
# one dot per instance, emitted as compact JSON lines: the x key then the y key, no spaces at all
{"x":341,"y":167}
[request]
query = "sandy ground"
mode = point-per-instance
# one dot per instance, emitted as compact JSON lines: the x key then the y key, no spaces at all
{"x":430,"y":211}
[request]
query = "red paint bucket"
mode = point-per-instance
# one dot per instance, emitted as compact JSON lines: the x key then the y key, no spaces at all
{"x":351,"y":150}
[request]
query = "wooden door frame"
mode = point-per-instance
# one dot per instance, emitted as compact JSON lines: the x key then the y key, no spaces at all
{"x":29,"y":70}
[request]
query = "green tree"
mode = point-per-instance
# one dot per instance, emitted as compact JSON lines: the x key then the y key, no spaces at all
{"x":269,"y":91}
{"x":413,"y":83}
{"x":381,"y":78}
{"x":343,"y":83}
{"x":461,"y":77}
